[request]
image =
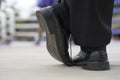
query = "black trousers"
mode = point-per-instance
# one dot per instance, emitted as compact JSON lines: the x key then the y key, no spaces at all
{"x":90,"y":21}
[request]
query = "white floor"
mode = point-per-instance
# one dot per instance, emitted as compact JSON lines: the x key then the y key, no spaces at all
{"x":25,"y":61}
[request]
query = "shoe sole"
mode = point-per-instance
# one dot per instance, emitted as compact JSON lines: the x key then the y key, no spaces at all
{"x":96,"y":66}
{"x":54,"y":35}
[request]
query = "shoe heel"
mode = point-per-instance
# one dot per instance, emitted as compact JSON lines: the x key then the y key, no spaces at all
{"x":46,"y":20}
{"x":97,"y":66}
{"x":41,"y":20}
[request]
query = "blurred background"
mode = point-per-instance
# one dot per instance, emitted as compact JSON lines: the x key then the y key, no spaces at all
{"x":23,"y":54}
{"x":18,"y":21}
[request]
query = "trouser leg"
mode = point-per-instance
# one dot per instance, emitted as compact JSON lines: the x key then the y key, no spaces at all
{"x":90,"y":21}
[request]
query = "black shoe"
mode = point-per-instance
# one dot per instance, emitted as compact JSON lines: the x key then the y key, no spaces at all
{"x":96,"y":60}
{"x":80,"y":57}
{"x":57,"y":41}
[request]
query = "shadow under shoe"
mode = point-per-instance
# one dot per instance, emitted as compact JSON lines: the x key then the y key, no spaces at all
{"x":96,"y":60}
{"x":57,"y":39}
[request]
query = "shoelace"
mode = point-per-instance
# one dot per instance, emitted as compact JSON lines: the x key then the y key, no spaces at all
{"x":70,"y":45}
